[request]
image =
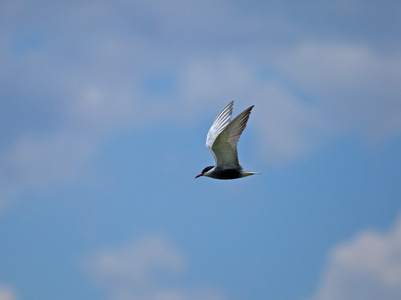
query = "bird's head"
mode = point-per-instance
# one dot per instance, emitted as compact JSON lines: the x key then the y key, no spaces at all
{"x":204,"y":172}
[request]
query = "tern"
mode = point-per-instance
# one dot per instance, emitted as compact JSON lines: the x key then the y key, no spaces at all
{"x":222,"y":140}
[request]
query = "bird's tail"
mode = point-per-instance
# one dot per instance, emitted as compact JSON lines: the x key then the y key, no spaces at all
{"x":246,"y":173}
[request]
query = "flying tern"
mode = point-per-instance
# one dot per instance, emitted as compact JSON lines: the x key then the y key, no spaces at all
{"x":222,"y":140}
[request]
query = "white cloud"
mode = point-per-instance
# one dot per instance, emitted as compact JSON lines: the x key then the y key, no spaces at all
{"x":147,"y":269}
{"x":355,"y":83}
{"x":367,"y":267}
{"x":7,"y":293}
{"x":289,"y":128}
{"x":68,"y":86}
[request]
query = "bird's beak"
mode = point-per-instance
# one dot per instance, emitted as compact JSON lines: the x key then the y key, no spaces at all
{"x":199,"y":175}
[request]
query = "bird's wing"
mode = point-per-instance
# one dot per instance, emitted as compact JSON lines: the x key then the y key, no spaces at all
{"x":221,"y":122}
{"x":224,"y":147}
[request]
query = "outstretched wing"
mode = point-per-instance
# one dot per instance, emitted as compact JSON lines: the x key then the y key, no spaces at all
{"x":221,"y":122}
{"x":224,"y":147}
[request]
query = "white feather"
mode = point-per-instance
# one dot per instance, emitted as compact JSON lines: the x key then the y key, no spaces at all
{"x":222,"y":138}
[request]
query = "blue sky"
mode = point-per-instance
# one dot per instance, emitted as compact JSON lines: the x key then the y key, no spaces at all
{"x":104,"y":111}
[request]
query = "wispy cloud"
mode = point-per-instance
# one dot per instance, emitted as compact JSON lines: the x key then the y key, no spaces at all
{"x":71,"y":75}
{"x":146,"y":269}
{"x":353,"y":82}
{"x":367,"y":267}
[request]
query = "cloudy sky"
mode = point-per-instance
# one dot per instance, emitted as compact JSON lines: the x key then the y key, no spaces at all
{"x":104,"y":111}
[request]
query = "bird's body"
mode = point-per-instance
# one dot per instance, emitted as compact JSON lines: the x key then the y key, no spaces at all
{"x":222,"y":140}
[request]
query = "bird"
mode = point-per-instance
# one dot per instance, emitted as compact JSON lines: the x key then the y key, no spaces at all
{"x":222,"y":140}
